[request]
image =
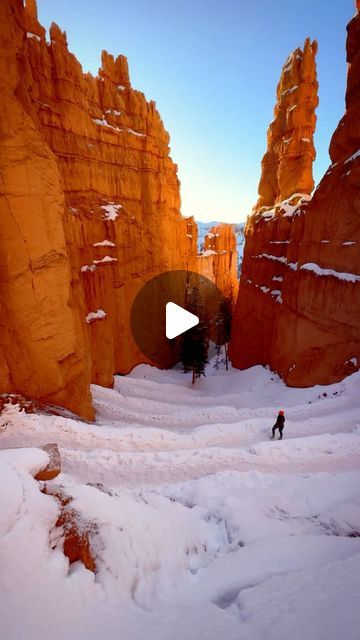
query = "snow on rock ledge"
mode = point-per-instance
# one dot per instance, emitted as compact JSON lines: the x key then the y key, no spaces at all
{"x":104,"y":260}
{"x":104,"y":243}
{"x":320,"y":271}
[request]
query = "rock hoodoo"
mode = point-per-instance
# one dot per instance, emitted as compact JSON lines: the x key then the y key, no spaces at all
{"x":218,"y":261}
{"x":287,"y":163}
{"x":90,"y":208}
{"x":298,"y":307}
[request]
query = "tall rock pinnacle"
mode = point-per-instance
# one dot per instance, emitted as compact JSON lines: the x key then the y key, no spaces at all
{"x":287,"y":163}
{"x":298,"y":308}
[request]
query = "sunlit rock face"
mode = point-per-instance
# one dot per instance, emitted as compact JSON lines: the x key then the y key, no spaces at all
{"x":298,"y":307}
{"x":287,"y":163}
{"x":218,"y":260}
{"x":90,"y":209}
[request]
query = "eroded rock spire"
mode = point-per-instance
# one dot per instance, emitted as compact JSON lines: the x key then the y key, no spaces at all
{"x":287,"y":163}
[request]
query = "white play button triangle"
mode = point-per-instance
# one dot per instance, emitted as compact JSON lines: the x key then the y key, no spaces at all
{"x":178,"y":320}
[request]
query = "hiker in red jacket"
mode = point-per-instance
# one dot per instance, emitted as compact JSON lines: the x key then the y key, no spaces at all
{"x":279,"y":424}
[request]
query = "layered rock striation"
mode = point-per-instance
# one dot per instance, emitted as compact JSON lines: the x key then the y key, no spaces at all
{"x":298,"y":307}
{"x":90,"y":205}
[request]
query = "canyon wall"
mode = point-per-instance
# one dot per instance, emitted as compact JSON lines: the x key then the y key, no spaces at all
{"x":298,"y":308}
{"x":90,"y":204}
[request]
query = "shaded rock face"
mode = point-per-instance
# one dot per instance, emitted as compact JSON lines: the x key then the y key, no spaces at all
{"x":287,"y":163}
{"x":298,"y":307}
{"x":90,"y":205}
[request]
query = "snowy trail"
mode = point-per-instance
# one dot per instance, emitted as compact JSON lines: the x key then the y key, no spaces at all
{"x":315,"y":453}
{"x":186,"y":440}
{"x":179,"y":404}
{"x":136,"y":455}
{"x":206,"y":527}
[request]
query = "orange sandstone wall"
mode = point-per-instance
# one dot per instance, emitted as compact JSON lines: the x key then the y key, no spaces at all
{"x":287,"y":163}
{"x":298,"y":307}
{"x":218,"y":261}
{"x":42,"y":339}
{"x":91,"y":203}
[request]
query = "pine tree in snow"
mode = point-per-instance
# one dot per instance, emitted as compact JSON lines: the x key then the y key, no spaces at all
{"x":195,"y":341}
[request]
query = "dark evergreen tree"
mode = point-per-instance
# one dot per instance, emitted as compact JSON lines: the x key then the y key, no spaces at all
{"x":195,"y":341}
{"x":223,"y":331}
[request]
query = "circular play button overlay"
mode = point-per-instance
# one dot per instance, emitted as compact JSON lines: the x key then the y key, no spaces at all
{"x":167,"y":307}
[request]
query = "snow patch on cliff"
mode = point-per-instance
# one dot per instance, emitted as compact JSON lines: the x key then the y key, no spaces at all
{"x":30,"y":35}
{"x":100,"y":314}
{"x":105,"y":123}
{"x":105,"y":259}
{"x":320,"y":271}
{"x":104,"y":243}
{"x":282,"y":259}
{"x":111,"y":210}
{"x":88,"y":267}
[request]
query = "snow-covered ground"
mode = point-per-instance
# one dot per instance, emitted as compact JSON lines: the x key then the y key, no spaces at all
{"x":206,"y":528}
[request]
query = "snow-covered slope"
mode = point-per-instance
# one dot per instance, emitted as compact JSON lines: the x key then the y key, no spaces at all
{"x":206,"y":528}
{"x":205,"y":227}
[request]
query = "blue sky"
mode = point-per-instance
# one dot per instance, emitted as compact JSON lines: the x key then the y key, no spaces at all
{"x":212,"y":67}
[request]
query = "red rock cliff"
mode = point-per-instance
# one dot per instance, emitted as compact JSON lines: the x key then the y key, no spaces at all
{"x":287,"y":163}
{"x":218,"y":261}
{"x":298,"y":307}
{"x":42,"y":341}
{"x":90,"y":204}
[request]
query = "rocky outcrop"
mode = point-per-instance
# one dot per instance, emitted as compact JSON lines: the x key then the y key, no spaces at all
{"x":287,"y":163}
{"x":218,"y":260}
{"x":75,"y":534}
{"x":31,"y":405}
{"x":90,"y":205}
{"x":53,"y":468}
{"x":298,"y":307}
